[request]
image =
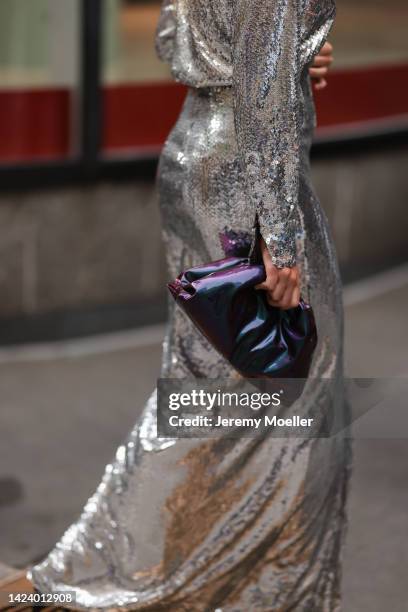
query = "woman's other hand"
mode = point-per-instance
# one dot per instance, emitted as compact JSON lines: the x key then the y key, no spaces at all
{"x":321,"y":64}
{"x":282,"y":285}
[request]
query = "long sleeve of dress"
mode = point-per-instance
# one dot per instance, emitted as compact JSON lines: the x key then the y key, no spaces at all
{"x":271,"y":48}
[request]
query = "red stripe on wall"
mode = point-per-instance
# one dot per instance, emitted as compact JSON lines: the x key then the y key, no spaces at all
{"x":363,"y":94}
{"x":35,"y":124}
{"x":140,"y":115}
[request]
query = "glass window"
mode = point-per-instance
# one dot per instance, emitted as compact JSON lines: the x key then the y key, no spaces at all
{"x":128,"y":51}
{"x":370,"y":32}
{"x":141,"y":102}
{"x":38,"y":78}
{"x":367,"y":87}
{"x":40,"y":71}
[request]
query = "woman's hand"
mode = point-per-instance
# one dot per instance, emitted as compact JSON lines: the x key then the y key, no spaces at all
{"x":321,"y":65}
{"x":282,"y":285}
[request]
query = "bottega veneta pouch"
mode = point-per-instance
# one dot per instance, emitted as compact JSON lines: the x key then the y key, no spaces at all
{"x":259,"y":340}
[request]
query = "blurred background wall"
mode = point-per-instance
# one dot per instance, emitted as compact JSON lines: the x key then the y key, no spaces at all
{"x":84,"y":109}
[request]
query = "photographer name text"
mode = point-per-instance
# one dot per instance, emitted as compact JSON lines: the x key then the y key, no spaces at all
{"x":201,"y":421}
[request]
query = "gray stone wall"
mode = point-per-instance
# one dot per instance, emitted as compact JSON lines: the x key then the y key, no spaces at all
{"x":91,"y":246}
{"x":366,"y":200}
{"x":79,"y":247}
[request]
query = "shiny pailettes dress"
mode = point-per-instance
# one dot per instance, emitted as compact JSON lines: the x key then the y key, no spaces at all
{"x":222,"y":525}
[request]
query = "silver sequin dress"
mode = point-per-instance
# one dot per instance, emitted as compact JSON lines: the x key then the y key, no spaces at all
{"x":240,"y":525}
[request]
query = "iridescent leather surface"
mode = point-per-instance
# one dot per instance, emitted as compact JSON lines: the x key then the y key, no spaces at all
{"x":221,"y":525}
{"x":257,"y":339}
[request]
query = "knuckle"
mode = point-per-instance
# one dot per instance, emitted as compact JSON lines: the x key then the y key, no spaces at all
{"x":272,"y":277}
{"x":270,"y":270}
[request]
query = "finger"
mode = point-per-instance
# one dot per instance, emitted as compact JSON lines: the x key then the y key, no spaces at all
{"x":317,"y":73}
{"x":285,"y":280}
{"x":294,"y":273}
{"x":291,"y":299}
{"x":278,"y":293}
{"x":327,"y":49}
{"x":320,"y":84}
{"x":322,"y":60}
{"x":282,"y":284}
{"x":270,"y":269}
{"x":271,"y":278}
{"x":285,"y":303}
{"x":267,"y":261}
{"x":271,"y":301}
{"x":295,"y":297}
{"x":268,"y":285}
{"x":293,"y":280}
{"x":290,"y":284}
{"x":286,"y":299}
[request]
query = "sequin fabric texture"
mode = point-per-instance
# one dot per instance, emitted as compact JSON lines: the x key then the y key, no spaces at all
{"x":241,"y":525}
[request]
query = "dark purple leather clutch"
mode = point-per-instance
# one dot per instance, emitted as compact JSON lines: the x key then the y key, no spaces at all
{"x":258,"y":340}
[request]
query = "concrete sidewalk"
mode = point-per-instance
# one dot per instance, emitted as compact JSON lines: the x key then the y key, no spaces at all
{"x":65,"y":408}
